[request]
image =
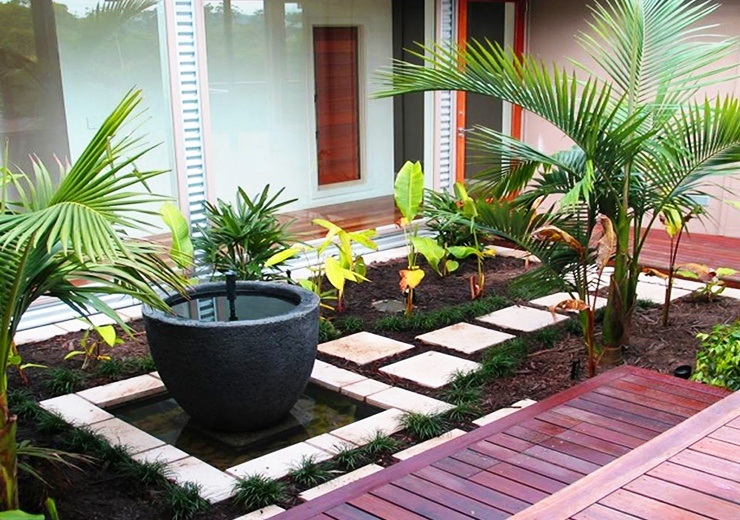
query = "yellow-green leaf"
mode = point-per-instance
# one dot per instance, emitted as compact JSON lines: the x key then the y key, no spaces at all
{"x":108,"y":333}
{"x":335,"y":273}
{"x":410,"y":278}
{"x":282,"y":256}
{"x":181,"y":250}
{"x":408,"y":190}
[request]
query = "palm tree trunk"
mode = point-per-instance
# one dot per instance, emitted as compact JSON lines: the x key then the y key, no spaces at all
{"x":8,"y":457}
{"x":618,"y":312}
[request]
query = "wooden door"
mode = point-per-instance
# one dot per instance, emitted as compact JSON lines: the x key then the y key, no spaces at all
{"x":337,"y":104}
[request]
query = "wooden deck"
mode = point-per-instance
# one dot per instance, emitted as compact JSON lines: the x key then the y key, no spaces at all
{"x":501,"y":469}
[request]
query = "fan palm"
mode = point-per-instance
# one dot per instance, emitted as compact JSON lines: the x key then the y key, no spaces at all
{"x":643,"y":140}
{"x":67,"y":238}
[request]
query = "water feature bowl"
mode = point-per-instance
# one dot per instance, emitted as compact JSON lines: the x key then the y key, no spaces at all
{"x":241,"y":374}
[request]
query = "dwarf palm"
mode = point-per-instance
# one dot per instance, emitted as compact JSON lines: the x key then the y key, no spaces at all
{"x":642,"y":142}
{"x":68,"y":239}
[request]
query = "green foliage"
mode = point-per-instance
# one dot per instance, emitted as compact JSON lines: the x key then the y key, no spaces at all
{"x":63,"y":380}
{"x":145,"y":474}
{"x":185,"y":501}
{"x":350,"y":458}
{"x":242,"y":237}
{"x":573,"y":326}
{"x":350,"y":325}
{"x":718,"y":358}
{"x":425,"y":321}
{"x":424,"y":426}
{"x":408,"y":193}
{"x":92,"y":342}
{"x":48,"y":422}
{"x":523,"y":288}
{"x":344,"y":266}
{"x":380,"y":444}
{"x":441,"y":210}
{"x":259,"y":491}
{"x":462,"y":392}
{"x":16,"y":514}
{"x":181,"y":250}
{"x":503,"y":360}
{"x":465,"y":411}
{"x":22,"y":403}
{"x":548,"y":336}
{"x":436,"y":255}
{"x":644,"y":304}
{"x":327,"y":331}
{"x":309,"y":473}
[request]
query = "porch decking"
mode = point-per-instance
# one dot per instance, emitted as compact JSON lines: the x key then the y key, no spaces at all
{"x":501,"y":469}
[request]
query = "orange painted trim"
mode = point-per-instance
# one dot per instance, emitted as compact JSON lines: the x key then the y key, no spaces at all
{"x":461,"y":97}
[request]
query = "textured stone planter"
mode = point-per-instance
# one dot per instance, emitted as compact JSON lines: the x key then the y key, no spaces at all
{"x":237,"y":375}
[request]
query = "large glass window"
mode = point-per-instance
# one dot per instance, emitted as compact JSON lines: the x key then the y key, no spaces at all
{"x":265,"y":113}
{"x":64,"y":65}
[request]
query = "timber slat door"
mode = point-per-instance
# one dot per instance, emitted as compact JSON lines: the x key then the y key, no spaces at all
{"x":337,"y":104}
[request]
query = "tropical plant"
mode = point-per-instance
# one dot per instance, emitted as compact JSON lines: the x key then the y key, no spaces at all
{"x":714,"y":285}
{"x":91,"y":344}
{"x":438,"y":206}
{"x":718,"y":359}
{"x":68,"y":238}
{"x":241,"y":237}
{"x":344,"y":266}
{"x":408,"y":193}
{"x":642,"y":141}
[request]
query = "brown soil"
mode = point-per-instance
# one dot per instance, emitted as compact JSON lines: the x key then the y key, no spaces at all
{"x":97,"y":492}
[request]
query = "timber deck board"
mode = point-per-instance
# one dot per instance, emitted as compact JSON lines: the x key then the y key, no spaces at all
{"x":545,"y":450}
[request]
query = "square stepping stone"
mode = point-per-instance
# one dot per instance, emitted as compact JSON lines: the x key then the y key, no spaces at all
{"x":524,"y":319}
{"x":260,"y":514}
{"x":122,"y":433}
{"x":554,"y":299}
{"x":215,"y":484}
{"x":75,"y":410}
{"x":464,"y":337}
{"x":363,"y":348}
{"x":362,"y":431}
{"x":363,"y":389}
{"x":430,"y":369}
{"x":279,"y":463}
{"x":348,"y":478}
{"x":331,"y":377}
{"x":656,"y":293}
{"x":427,"y":445}
{"x":408,"y":401}
{"x":123,"y":391}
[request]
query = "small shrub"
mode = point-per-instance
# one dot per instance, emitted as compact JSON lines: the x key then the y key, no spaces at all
{"x":259,"y":491}
{"x":502,"y":361}
{"x":350,"y":458}
{"x":327,"y":331}
{"x":718,"y":359}
{"x":465,"y":411}
{"x":424,"y":426}
{"x":309,"y":473}
{"x":380,"y":444}
{"x":350,"y":325}
{"x":185,"y":501}
{"x":63,"y":380}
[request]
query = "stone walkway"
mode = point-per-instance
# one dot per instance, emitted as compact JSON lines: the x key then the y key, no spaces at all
{"x":430,"y":369}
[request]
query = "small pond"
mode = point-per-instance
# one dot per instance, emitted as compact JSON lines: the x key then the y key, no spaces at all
{"x":317,"y":411}
{"x":246,"y":307}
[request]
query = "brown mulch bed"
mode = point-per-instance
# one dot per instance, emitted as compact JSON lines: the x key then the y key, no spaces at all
{"x":98,"y":492}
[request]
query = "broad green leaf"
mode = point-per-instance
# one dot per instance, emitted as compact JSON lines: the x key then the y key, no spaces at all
{"x":332,"y":229}
{"x":364,"y":238}
{"x":723,"y":272}
{"x":19,"y":515}
{"x":452,"y":266}
{"x":181,"y":250}
{"x":108,"y":333}
{"x":462,"y":251}
{"x":335,"y":273}
{"x":408,"y":190}
{"x":282,"y":256}
{"x":431,"y":250}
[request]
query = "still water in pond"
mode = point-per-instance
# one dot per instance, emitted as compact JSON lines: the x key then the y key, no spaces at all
{"x":246,"y":307}
{"x":317,"y":411}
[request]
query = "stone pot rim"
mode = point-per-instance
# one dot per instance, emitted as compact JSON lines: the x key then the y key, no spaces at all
{"x":307,"y":301}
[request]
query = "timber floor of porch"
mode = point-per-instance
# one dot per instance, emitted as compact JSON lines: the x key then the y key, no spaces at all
{"x":714,"y":251}
{"x":628,"y":444}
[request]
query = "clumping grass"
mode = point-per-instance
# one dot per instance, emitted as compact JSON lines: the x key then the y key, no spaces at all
{"x":573,"y":326}
{"x":350,"y":325}
{"x":145,"y":473}
{"x":259,"y":491}
{"x":548,"y":336}
{"x":48,"y":422}
{"x":327,"y":331}
{"x":63,"y":380}
{"x":425,"y":321}
{"x":503,"y":360}
{"x":424,"y":426}
{"x":146,"y":363}
{"x":380,"y":444}
{"x":463,"y":394}
{"x":350,"y":458}
{"x":466,"y":379}
{"x":309,"y":473}
{"x":524,"y":290}
{"x":185,"y":501}
{"x":22,"y":403}
{"x":645,"y":304}
{"x":465,"y":411}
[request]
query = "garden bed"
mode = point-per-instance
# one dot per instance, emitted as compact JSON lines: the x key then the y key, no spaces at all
{"x":543,"y":366}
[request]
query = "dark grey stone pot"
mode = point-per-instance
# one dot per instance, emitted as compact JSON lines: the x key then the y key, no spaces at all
{"x":239,"y":375}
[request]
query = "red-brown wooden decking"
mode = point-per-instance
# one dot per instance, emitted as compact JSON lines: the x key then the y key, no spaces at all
{"x":504,"y":467}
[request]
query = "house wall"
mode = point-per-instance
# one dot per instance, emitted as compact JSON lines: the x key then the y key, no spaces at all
{"x":552,"y":25}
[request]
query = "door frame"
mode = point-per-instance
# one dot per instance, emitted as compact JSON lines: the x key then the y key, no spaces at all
{"x":515,"y":123}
